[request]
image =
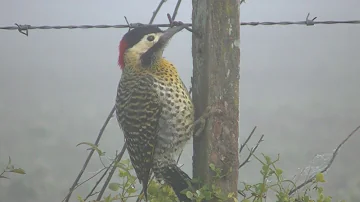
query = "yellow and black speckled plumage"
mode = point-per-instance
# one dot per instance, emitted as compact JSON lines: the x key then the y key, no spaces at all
{"x":154,"y":110}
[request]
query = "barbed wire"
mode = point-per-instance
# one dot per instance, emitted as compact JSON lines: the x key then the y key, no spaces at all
{"x":24,"y":28}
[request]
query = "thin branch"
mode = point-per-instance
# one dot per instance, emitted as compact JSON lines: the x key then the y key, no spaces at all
{"x":156,"y":11}
{"x":329,"y":164}
{"x":116,"y":161}
{"x":98,"y":182}
{"x":252,"y":151}
{"x":102,"y":162}
{"x":176,"y":10}
{"x":1,"y":175}
{"x":247,"y":140}
{"x":67,"y":198}
{"x":98,"y":172}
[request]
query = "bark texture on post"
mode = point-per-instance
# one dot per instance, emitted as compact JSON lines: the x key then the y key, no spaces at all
{"x":216,"y":74}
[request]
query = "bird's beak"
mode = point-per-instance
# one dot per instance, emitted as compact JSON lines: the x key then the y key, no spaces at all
{"x":170,"y":32}
{"x":157,"y":49}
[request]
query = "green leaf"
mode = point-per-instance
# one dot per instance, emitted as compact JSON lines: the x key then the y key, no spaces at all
{"x":93,"y":146}
{"x":231,"y":195}
{"x":123,"y":173}
{"x":268,"y":160}
{"x":80,"y":199}
{"x":278,"y":171}
{"x":189,"y":194}
{"x":199,"y":194}
{"x":320,"y":177}
{"x":212,"y":167}
{"x":114,"y":186}
{"x":328,"y":199}
{"x":125,"y":161}
{"x":18,"y":171}
{"x":132,"y":179}
{"x":265,"y":170}
{"x":131,"y":190}
{"x":207,"y":195}
{"x":152,"y":189}
{"x":108,"y":199}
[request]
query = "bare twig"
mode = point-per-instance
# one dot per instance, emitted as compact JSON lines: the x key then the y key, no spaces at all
{"x":156,"y":11}
{"x":252,"y":151}
{"x":102,"y":162}
{"x":176,"y":10}
{"x":247,"y":140}
{"x":98,"y":182}
{"x":329,"y":164}
{"x":67,"y":198}
{"x":1,"y":174}
{"x":98,"y":172}
{"x":116,"y":161}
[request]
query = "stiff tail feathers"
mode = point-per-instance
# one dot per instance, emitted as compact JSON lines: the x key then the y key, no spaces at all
{"x":145,"y":187}
{"x":177,"y":179}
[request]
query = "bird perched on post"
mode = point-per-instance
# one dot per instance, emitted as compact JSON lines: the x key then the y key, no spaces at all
{"x":153,"y":107}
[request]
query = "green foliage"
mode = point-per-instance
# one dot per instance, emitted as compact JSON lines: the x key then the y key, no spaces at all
{"x":126,"y":187}
{"x":272,"y":182}
{"x":10,"y":168}
{"x":282,"y":187}
{"x":210,"y":191}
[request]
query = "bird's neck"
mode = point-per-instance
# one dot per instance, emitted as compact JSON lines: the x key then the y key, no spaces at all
{"x":163,"y":67}
{"x":160,"y":68}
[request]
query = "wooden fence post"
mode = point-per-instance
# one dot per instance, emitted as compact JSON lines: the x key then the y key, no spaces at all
{"x":216,"y":74}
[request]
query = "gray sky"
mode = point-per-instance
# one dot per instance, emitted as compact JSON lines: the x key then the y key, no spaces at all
{"x":299,"y":85}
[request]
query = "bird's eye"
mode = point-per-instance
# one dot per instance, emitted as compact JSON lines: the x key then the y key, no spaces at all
{"x":150,"y":38}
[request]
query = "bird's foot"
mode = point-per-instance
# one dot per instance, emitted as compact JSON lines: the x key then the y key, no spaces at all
{"x":201,"y":121}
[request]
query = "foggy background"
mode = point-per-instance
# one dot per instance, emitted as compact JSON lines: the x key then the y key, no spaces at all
{"x":299,"y":85}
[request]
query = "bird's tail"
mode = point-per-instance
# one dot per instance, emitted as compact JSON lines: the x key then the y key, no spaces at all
{"x":177,"y":179}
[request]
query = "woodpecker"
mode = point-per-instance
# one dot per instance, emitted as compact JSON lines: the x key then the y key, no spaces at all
{"x":153,"y":107}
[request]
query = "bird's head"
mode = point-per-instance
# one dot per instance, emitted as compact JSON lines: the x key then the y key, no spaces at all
{"x":143,"y":45}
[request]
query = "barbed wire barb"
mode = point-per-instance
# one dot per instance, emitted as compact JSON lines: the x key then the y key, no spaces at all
{"x":23,"y":29}
{"x":308,"y":21}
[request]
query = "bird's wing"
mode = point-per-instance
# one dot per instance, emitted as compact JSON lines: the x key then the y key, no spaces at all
{"x":140,"y":125}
